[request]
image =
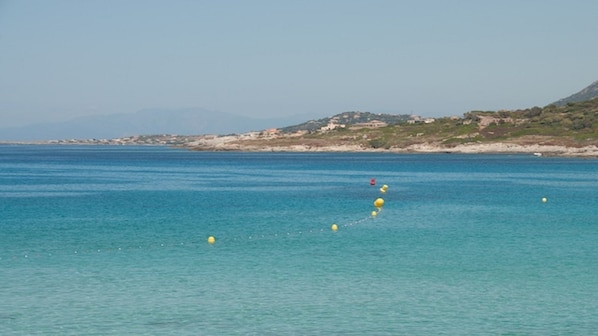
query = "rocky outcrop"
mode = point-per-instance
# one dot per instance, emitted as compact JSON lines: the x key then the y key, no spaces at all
{"x":234,"y":143}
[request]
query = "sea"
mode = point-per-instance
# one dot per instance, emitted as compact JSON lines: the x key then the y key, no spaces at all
{"x":113,"y":240}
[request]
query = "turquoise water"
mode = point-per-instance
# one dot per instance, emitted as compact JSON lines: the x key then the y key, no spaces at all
{"x":113,"y":241}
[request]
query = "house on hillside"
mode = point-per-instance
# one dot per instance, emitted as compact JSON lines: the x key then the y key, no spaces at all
{"x":331,"y":125}
{"x":417,"y":119}
{"x":270,"y":133}
{"x":369,"y":124}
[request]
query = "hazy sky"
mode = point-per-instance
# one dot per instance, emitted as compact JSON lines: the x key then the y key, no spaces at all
{"x":60,"y":59}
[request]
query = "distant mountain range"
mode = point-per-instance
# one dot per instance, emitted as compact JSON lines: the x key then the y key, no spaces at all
{"x":191,"y":121}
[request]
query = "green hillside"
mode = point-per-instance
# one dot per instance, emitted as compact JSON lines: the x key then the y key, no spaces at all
{"x":348,"y":119}
{"x":574,"y":124}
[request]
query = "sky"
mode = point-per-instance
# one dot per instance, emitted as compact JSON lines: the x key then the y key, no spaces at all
{"x":61,"y":59}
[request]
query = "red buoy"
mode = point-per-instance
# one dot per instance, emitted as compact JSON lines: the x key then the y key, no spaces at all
{"x":373,"y":182}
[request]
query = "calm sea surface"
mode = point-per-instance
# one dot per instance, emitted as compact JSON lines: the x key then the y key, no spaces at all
{"x":113,"y":241}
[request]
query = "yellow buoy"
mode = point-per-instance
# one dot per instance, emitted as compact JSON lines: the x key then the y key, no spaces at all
{"x":374,"y":214}
{"x":334,"y":227}
{"x":544,"y":200}
{"x":385,"y":187}
{"x":211,"y":240}
{"x":379,"y":202}
{"x":382,"y":190}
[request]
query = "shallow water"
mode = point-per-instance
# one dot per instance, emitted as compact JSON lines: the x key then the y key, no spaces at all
{"x":113,"y":240}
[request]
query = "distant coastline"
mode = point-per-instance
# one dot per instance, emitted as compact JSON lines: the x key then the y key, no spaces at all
{"x":567,"y":130}
{"x":246,"y":143}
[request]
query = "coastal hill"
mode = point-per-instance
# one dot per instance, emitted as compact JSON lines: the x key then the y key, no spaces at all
{"x":347,"y":119}
{"x":570,"y":129}
{"x":587,"y":93}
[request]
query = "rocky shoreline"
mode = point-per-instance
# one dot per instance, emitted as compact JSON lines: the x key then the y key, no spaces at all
{"x":232,"y":143}
{"x":537,"y":149}
{"x":244,"y":143}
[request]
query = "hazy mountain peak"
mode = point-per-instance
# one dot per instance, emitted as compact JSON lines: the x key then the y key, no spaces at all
{"x":590,"y":92}
{"x":182,"y":121}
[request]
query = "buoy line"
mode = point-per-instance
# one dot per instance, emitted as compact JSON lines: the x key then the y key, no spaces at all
{"x":378,"y":204}
{"x":210,"y":239}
